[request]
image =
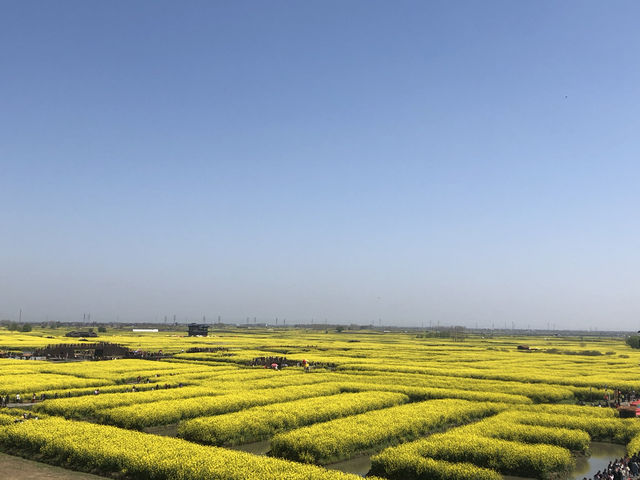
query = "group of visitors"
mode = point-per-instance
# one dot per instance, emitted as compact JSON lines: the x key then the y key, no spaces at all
{"x":614,"y":398}
{"x":622,"y":469}
{"x":25,"y":416}
{"x":5,"y":400}
{"x":278,"y":363}
{"x":270,"y":362}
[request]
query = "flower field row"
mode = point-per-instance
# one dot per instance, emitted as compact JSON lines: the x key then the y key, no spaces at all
{"x":530,"y":374}
{"x":536,"y":392}
{"x":506,"y":426}
{"x":633,"y":447}
{"x":89,"y":405}
{"x":616,"y":430}
{"x":398,"y":464}
{"x":377,"y":389}
{"x":38,"y":382}
{"x":139,"y":455}
{"x":506,"y":457}
{"x":258,"y":423}
{"x":122,"y":395}
{"x":426,"y":393}
{"x":89,"y":391}
{"x":5,"y":419}
{"x":571,"y":410}
{"x":344,"y":437}
{"x":171,"y":411}
{"x":114,"y":371}
{"x":524,"y":440}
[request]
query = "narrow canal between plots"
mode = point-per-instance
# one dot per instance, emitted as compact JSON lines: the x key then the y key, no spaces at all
{"x":601,"y":455}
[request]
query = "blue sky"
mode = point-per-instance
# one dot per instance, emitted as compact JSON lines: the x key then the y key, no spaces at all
{"x":468,"y":163}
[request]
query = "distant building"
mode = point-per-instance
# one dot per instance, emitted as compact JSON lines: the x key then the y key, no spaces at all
{"x":198,"y":329}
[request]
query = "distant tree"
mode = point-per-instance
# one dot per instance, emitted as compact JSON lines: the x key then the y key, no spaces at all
{"x":13,"y":326}
{"x":102,"y":329}
{"x":27,"y":327}
{"x":633,"y":341}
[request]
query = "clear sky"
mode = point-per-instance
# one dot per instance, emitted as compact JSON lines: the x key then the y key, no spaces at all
{"x":461,"y":162}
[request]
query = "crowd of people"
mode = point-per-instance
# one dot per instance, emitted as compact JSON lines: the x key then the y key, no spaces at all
{"x":268,"y":362}
{"x":6,"y":399}
{"x":25,"y":416}
{"x":619,"y":469}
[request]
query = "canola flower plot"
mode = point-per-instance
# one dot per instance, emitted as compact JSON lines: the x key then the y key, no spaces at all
{"x":423,"y":400}
{"x":505,"y":426}
{"x":88,"y":406}
{"x":342,"y":438}
{"x":571,"y":410}
{"x":6,"y":419}
{"x":409,"y":466}
{"x":426,"y":393}
{"x":165,"y":412}
{"x":139,"y":455}
{"x":616,"y":430}
{"x":36,"y":382}
{"x":633,"y":447}
{"x":506,"y":457}
{"x":261,"y":422}
{"x":513,"y":442}
{"x":517,"y":390}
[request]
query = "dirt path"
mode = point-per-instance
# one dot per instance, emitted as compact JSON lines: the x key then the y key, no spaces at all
{"x":16,"y":468}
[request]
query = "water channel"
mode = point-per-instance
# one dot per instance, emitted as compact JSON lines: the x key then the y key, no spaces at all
{"x":601,"y":455}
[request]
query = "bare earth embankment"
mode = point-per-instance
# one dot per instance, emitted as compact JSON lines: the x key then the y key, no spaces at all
{"x":16,"y":468}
